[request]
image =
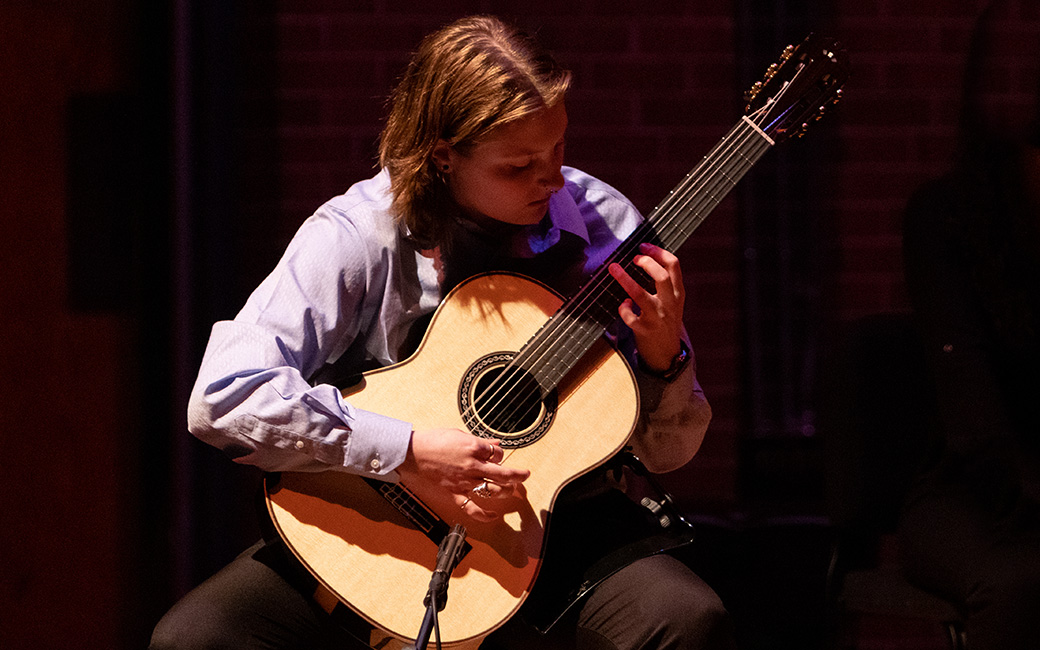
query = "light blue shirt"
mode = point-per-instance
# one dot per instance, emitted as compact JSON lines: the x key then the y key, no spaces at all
{"x":348,"y":290}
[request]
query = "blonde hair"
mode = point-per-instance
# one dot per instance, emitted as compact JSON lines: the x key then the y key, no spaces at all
{"x":465,"y":80}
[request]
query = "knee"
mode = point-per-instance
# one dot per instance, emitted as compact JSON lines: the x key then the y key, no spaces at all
{"x":1016,"y":586}
{"x":655,"y":602}
{"x":166,"y":635}
{"x":683,"y":612}
{"x":692,"y":620}
{"x":181,"y":629}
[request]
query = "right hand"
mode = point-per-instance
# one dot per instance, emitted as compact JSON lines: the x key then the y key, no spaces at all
{"x":457,"y":462}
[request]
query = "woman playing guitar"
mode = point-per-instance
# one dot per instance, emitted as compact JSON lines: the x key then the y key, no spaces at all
{"x":472,"y":181}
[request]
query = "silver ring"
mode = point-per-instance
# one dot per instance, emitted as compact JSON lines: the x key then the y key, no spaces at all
{"x":463,"y":506}
{"x":491,"y":453}
{"x":482,"y":490}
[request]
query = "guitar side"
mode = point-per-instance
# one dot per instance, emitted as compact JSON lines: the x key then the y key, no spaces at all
{"x":378,"y":563}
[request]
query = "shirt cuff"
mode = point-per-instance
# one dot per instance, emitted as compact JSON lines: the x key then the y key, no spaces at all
{"x":378,"y":444}
{"x":679,"y":363}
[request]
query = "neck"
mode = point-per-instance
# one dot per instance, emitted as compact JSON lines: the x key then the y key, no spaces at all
{"x":484,"y":226}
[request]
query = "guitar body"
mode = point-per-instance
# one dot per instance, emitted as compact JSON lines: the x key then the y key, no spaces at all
{"x":379,"y":563}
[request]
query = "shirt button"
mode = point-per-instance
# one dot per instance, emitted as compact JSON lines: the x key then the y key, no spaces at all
{"x":375,"y":464}
{"x":299,"y":444}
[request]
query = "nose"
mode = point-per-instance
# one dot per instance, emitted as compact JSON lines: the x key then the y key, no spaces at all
{"x":552,"y":178}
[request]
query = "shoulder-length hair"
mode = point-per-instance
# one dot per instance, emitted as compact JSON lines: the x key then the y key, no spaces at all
{"x":465,"y":80}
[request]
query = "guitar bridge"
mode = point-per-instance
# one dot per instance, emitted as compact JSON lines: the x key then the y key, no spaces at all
{"x":415,"y":511}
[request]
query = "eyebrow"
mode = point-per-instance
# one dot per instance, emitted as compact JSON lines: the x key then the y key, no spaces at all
{"x":522,"y":152}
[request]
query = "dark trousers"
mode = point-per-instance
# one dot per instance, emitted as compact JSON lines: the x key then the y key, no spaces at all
{"x":259,"y":601}
{"x":984,"y":557}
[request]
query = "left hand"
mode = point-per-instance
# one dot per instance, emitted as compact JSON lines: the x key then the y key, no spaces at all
{"x":656,"y":319}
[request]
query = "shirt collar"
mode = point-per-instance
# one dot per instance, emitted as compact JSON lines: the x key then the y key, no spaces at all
{"x":563,"y":216}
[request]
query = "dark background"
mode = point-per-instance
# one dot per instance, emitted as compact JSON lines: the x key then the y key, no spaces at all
{"x":155,"y":158}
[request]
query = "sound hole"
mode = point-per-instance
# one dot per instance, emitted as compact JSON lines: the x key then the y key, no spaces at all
{"x":503,"y":401}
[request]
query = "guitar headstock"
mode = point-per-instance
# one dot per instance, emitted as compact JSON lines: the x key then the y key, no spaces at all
{"x":797,"y":90}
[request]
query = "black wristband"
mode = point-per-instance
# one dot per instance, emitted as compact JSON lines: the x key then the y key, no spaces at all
{"x":678,"y":364}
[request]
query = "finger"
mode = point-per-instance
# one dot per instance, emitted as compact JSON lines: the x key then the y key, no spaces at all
{"x":628,"y":313}
{"x":665,"y":290}
{"x":486,"y":451}
{"x":664,"y":269}
{"x":495,"y":453}
{"x":474,"y":510}
{"x":641,"y":304}
{"x":631,"y":287}
{"x":653,"y":267}
{"x":669,"y":263}
{"x":488,"y":489}
{"x":503,"y":474}
{"x":665,"y":258}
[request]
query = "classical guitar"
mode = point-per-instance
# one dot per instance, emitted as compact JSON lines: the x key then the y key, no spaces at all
{"x":505,"y":357}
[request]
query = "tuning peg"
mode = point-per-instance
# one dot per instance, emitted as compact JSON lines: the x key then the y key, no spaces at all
{"x":749,"y":96}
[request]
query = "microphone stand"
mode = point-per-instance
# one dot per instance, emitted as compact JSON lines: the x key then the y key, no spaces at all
{"x":448,"y":556}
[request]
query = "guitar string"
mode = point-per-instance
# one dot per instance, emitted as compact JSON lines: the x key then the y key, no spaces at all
{"x":676,"y":205}
{"x":702,"y":182}
{"x":677,"y":210}
{"x":603,"y":282}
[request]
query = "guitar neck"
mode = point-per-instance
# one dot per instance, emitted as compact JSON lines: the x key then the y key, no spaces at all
{"x":582,"y":319}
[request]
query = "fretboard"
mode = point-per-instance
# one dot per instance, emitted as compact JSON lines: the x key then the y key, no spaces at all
{"x":582,"y":319}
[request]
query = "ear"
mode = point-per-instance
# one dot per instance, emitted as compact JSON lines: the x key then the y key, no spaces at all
{"x":441,"y":155}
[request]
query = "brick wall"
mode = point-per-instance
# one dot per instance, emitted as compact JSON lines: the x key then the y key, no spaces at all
{"x":67,"y":399}
{"x":898,"y":129}
{"x":654,"y":90}
{"x":655,"y":87}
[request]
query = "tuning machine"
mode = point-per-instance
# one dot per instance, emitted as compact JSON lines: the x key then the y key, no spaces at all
{"x":752,"y":93}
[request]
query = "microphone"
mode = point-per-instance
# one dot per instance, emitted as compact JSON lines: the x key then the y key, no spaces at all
{"x":448,"y":556}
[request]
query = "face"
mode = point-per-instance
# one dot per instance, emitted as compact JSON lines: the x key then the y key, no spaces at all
{"x":510,"y":176}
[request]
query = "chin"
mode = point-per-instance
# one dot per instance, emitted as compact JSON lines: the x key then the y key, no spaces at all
{"x":537,"y":213}
{"x":521,"y":220}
